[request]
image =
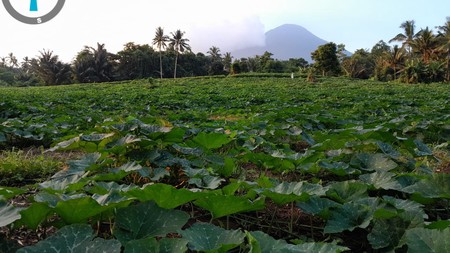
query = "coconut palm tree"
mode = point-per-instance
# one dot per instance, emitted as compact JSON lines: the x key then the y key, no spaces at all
{"x":444,"y":41}
{"x":395,"y":58}
{"x":227,"y":59}
{"x":215,"y":54}
{"x":425,"y":43}
{"x":13,"y":63}
{"x":408,"y":36}
{"x":160,"y":42}
{"x":179,"y":44}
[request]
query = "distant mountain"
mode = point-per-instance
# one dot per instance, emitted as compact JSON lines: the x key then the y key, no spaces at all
{"x":284,"y":42}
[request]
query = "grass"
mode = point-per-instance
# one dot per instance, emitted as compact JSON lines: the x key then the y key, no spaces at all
{"x":19,"y":167}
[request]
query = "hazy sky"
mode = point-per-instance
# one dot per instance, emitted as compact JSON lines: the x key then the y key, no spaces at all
{"x":230,"y":24}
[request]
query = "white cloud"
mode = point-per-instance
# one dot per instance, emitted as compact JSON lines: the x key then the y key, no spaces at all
{"x":228,"y":35}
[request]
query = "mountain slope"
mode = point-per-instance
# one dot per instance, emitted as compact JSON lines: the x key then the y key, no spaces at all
{"x":284,"y":42}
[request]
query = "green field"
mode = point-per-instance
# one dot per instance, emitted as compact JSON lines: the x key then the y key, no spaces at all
{"x":245,"y":164}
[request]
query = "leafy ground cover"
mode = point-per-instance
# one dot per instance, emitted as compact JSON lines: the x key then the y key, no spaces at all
{"x":231,"y":165}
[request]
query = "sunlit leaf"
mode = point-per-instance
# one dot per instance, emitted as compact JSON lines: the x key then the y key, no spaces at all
{"x":347,"y":191}
{"x":34,"y":215}
{"x":10,"y":192}
{"x":211,"y":140}
{"x":381,"y":180}
{"x":166,"y":196}
{"x":8,"y":214}
{"x":373,"y":162}
{"x":207,"y":237}
{"x":220,"y":205}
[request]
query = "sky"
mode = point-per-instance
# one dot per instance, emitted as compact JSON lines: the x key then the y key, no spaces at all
{"x":229,"y":25}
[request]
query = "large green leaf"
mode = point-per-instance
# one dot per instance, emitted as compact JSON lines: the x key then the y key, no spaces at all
{"x":421,"y":240}
{"x":338,"y":168}
{"x":220,"y":205}
{"x":95,"y":137}
{"x":151,"y":245}
{"x":388,"y":150}
{"x":209,"y":238}
{"x":267,"y":244}
{"x":422,"y":149}
{"x":72,"y":178}
{"x":10,"y":192}
{"x":414,"y":209}
{"x":166,"y":196}
{"x":294,"y":191}
{"x":8,"y":214}
{"x":211,"y":140}
{"x":347,"y":190}
{"x":68,"y":144}
{"x":351,"y":215}
{"x":317,"y":205}
{"x":434,"y":186}
{"x":316,"y":247}
{"x":388,"y":233}
{"x":77,"y":238}
{"x":147,"y":220}
{"x":381,"y":180}
{"x":373,"y":162}
{"x":78,"y":210}
{"x":34,"y":215}
{"x":111,"y":198}
{"x":442,"y":224}
{"x":172,"y":245}
{"x":207,"y":182}
{"x":146,"y":245}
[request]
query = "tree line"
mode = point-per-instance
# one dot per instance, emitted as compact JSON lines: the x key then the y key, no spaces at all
{"x":169,"y":56}
{"x":417,"y":56}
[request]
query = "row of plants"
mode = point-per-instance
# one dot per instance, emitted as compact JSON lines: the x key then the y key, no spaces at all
{"x":235,"y":165}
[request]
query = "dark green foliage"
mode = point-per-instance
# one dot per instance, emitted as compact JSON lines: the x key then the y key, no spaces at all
{"x":50,"y":70}
{"x":340,"y":164}
{"x":326,"y":60}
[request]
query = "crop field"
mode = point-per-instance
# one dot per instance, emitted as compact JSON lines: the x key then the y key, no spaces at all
{"x":245,"y":164}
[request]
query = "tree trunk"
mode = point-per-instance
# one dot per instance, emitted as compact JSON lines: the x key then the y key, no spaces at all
{"x":160,"y":63}
{"x":176,"y":62}
{"x":448,"y":67}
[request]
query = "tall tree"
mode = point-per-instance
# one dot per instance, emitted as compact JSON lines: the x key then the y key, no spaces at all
{"x":93,"y":65}
{"x":137,"y":61}
{"x":50,"y":70}
{"x":215,"y":54}
{"x":425,"y":44}
{"x":395,"y":58}
{"x":160,"y":41}
{"x":227,"y":59}
{"x":13,"y":63}
{"x":407,"y":37}
{"x":444,"y":40}
{"x":360,"y":65}
{"x":326,"y":59}
{"x":179,"y":44}
{"x":102,"y":63}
